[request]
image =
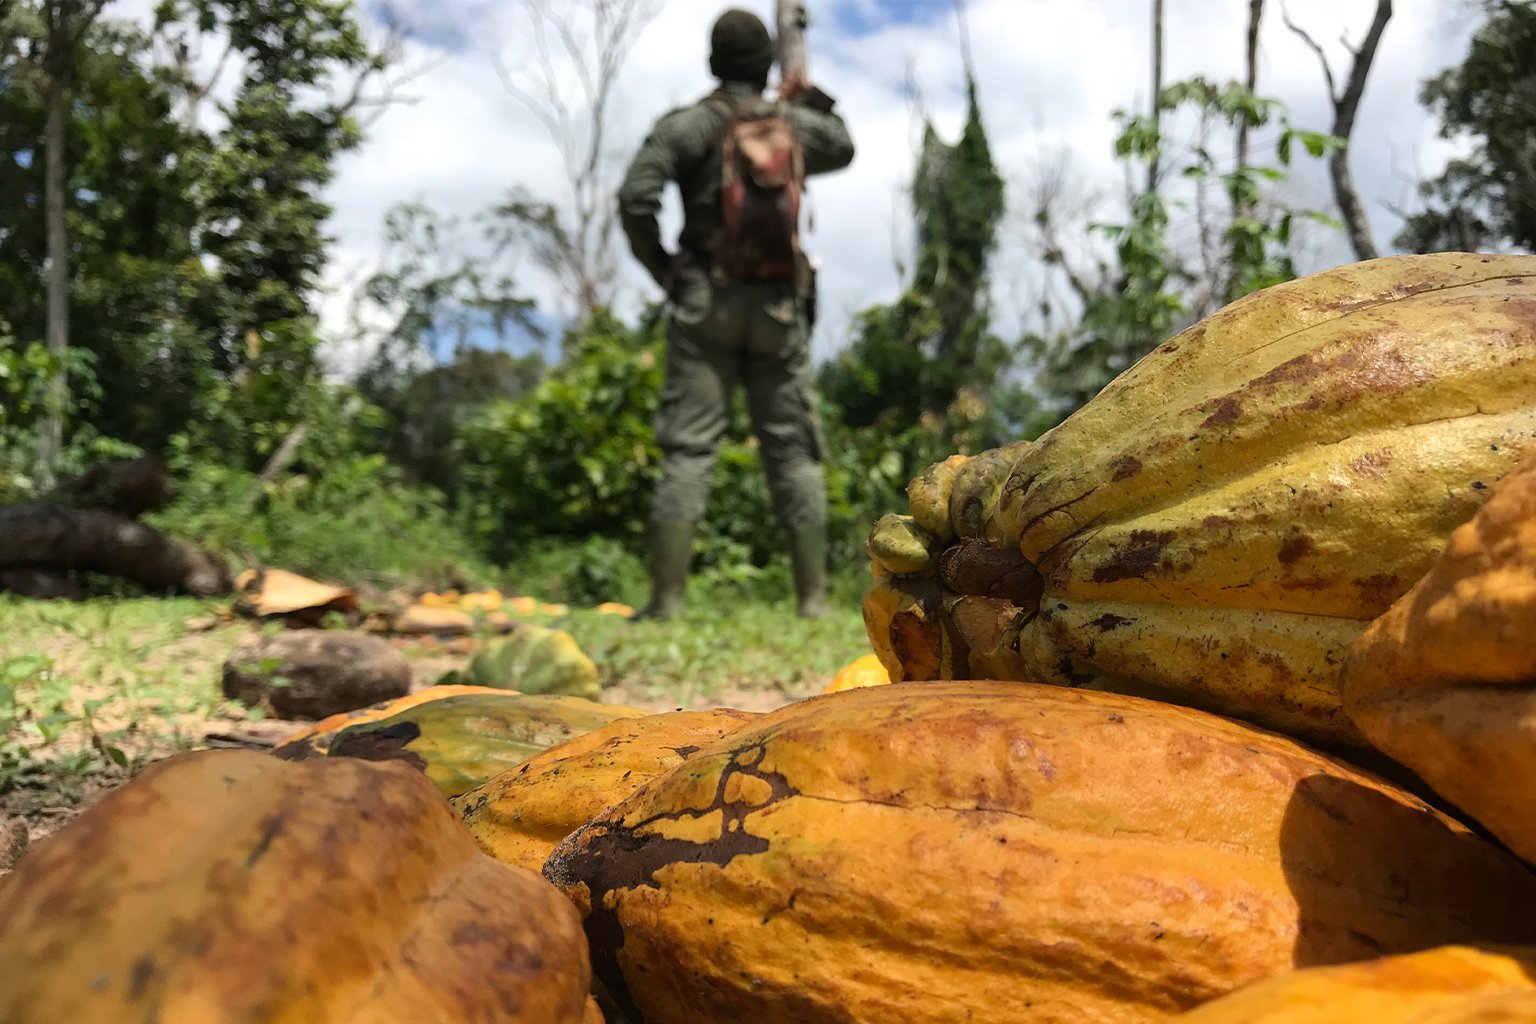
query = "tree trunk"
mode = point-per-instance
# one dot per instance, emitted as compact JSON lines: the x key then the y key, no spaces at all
{"x":791,"y":18}
{"x":1251,"y":83}
{"x":1157,"y":89}
{"x":67,"y":22}
{"x":57,"y":330}
{"x":1242,"y":199}
{"x":1345,"y":105}
{"x":1356,"y":225}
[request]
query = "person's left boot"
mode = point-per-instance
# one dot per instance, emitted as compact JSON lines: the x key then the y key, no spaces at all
{"x":808,"y":560}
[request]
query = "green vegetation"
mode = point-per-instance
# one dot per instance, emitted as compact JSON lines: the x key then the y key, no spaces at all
{"x":91,"y":691}
{"x":1157,"y":288}
{"x":1487,"y":198}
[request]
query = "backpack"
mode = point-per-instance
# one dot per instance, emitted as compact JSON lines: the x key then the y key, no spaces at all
{"x":762,"y":175}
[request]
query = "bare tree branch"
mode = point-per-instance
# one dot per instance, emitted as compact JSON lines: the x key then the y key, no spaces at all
{"x":1345,"y":106}
{"x":1242,"y":208}
{"x":1208,"y":237}
{"x":183,"y":56}
{"x":911,"y":92}
{"x":1349,"y":102}
{"x":389,"y":72}
{"x":1157,"y":90}
{"x":552,"y":123}
{"x":66,"y":26}
{"x":1285,"y":16}
{"x":568,"y":80}
{"x":1251,"y":83}
{"x":1055,"y":206}
{"x":87,"y":18}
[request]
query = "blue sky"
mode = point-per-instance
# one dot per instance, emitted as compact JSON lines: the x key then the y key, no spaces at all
{"x":851,"y":18}
{"x":856,"y":19}
{"x":438,"y":33}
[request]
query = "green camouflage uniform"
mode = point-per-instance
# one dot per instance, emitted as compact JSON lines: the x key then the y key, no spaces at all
{"x":725,"y":332}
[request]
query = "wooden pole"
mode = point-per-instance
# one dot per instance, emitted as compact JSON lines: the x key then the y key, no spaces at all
{"x":792,"y":19}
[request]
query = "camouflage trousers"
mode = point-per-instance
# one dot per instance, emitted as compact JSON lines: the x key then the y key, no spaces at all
{"x":754,"y":335}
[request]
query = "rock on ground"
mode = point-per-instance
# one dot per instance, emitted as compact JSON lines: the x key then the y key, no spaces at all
{"x":311,"y":673}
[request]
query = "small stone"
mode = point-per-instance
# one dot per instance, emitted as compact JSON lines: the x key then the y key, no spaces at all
{"x":312,"y":673}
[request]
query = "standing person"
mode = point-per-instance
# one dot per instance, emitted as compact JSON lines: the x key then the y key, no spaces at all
{"x":743,"y":299}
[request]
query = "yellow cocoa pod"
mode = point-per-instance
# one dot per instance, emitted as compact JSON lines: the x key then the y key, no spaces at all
{"x":1445,"y":681}
{"x":520,"y":815}
{"x":315,"y":739}
{"x":865,"y":670}
{"x":1010,"y":853}
{"x":928,"y":496}
{"x":1446,"y":985}
{"x":1224,"y":519}
{"x":461,"y":742}
{"x":535,"y":659}
{"x":226,"y":885}
{"x":900,"y":545}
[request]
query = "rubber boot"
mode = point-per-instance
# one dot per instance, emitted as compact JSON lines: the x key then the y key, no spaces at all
{"x":808,"y":559}
{"x":671,"y":553}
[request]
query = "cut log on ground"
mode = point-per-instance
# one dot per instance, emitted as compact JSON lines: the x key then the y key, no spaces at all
{"x":41,"y":584}
{"x":48,"y":537}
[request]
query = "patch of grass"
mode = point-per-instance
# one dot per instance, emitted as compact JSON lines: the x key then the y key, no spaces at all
{"x":599,"y":569}
{"x":721,"y":650}
{"x":99,"y":686}
{"x":90,"y":691}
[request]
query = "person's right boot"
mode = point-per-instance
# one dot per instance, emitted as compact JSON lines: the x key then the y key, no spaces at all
{"x":671,"y":554}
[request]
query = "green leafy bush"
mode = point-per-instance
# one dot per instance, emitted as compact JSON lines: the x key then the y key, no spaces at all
{"x":574,"y":458}
{"x":339,"y":512}
{"x":583,"y":573}
{"x":25,"y":374}
{"x":356,"y":522}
